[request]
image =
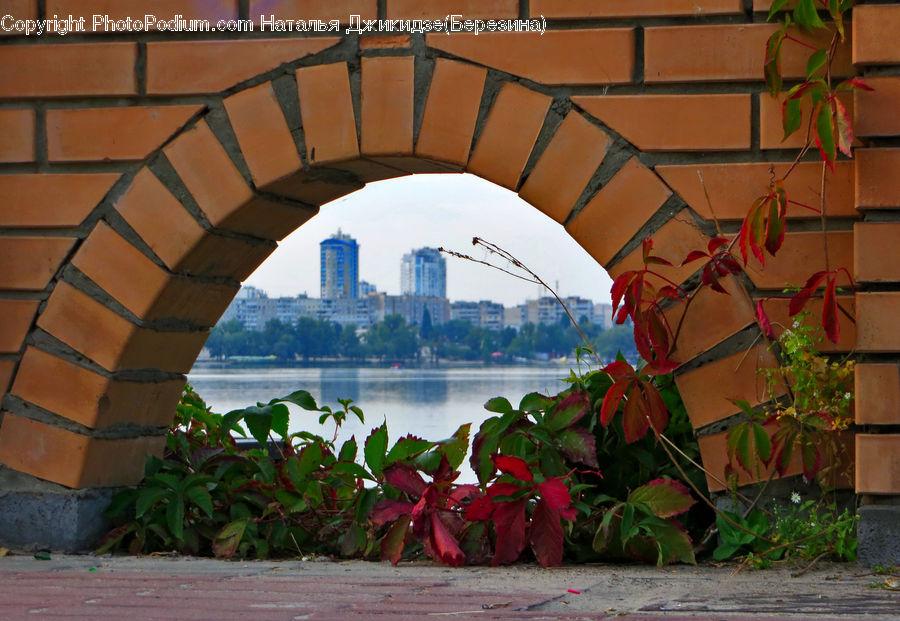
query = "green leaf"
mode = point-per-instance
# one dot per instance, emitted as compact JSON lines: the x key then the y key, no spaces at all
{"x":776,"y":6}
{"x":301,"y":398}
{"x":816,"y":61}
{"x":227,"y":540}
{"x":121,"y":500}
{"x":499,"y":405}
{"x":628,"y":529}
{"x":200,"y":497}
{"x":259,"y":422}
{"x":147,"y":498}
{"x":825,"y":134}
{"x":665,"y":498}
{"x":348,"y":450}
{"x":359,"y":413}
{"x":350,"y":467}
{"x":762,"y":443}
{"x":456,"y":447}
{"x":175,"y":518}
{"x":407,"y":447}
{"x":310,"y":459}
{"x":805,"y":14}
{"x":535,"y":401}
{"x":375,"y":448}
{"x":675,"y":544}
{"x":280,"y":416}
{"x":231,"y":419}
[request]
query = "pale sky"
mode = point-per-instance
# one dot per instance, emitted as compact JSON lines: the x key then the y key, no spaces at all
{"x":389,"y":218}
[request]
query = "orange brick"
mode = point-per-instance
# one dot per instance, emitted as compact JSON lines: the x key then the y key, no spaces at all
{"x":771,"y":129}
{"x":7,"y":367}
{"x":17,"y":128}
{"x":19,"y":9}
{"x":675,"y":122}
{"x":877,"y":178}
{"x":440,"y":9}
{"x":71,"y":459}
{"x":112,"y":341}
{"x":212,"y":66}
{"x":144,"y":288}
{"x":877,"y":394}
{"x":618,"y":210}
{"x":557,"y":9}
{"x":698,"y":53}
{"x":512,"y":126}
{"x":17,"y":317}
{"x":90,"y":399}
{"x":263,"y":134}
{"x":588,"y":56}
{"x":42,"y":200}
{"x":708,"y":390}
{"x":220,"y":190}
{"x":326,"y":105}
{"x":765,"y":5}
{"x":163,"y":10}
{"x":313,"y":9}
{"x":673,"y":241}
{"x":875,"y":34}
{"x":382,"y":42}
{"x":876,"y":251}
{"x":714,"y":455}
{"x":565,"y":167}
{"x":733,"y":188}
{"x":875,"y":112}
{"x":83,"y":134}
{"x":67,"y":70}
{"x":386,"y":105}
{"x":777,"y":311}
{"x":876,"y":322}
{"x":710,"y":319}
{"x":878,"y":463}
{"x":30,"y":262}
{"x":451,"y":111}
{"x":800,"y":257}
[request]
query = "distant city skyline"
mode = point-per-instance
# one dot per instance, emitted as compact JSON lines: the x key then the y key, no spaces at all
{"x":394,"y":217}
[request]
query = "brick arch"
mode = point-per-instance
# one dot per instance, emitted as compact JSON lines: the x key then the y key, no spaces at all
{"x":119,"y":304}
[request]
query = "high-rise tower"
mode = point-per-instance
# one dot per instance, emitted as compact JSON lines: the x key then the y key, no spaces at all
{"x":339,"y":267}
{"x":424,"y":272}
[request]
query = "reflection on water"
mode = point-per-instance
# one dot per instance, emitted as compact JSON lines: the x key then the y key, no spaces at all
{"x":430,"y":403}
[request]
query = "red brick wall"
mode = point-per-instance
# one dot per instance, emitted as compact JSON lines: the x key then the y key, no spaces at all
{"x":143,"y":172}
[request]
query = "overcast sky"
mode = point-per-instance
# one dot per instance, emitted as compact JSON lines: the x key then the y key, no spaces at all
{"x":389,"y":218}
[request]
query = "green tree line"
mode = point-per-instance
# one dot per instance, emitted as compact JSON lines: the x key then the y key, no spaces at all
{"x":394,"y":339}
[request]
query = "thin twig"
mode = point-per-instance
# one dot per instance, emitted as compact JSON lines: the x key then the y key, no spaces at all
{"x":802,"y":571}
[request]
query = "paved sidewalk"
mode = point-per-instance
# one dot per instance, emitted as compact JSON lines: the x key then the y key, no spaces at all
{"x":86,"y":587}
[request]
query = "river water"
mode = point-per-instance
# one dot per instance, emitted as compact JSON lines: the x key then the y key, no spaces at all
{"x":430,"y":403}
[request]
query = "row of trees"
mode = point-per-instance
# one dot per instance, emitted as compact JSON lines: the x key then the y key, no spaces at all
{"x":394,"y":339}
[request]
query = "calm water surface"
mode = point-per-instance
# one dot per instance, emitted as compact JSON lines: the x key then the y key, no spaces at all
{"x":431,"y":403}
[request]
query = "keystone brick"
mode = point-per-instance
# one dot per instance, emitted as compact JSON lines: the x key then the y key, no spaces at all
{"x":876,"y":251}
{"x":386,"y":105}
{"x":68,"y":70}
{"x":771,"y":129}
{"x":326,"y":105}
{"x":17,"y":317}
{"x":313,"y":9}
{"x":726,"y":52}
{"x":877,"y":394}
{"x":7,"y":367}
{"x":212,"y":66}
{"x":143,"y":287}
{"x":878,"y":464}
{"x":212,"y":10}
{"x":777,"y":311}
{"x":17,"y":129}
{"x":708,"y":390}
{"x":801,"y":255}
{"x":90,"y":399}
{"x":618,"y":210}
{"x":588,"y":56}
{"x":83,"y":134}
{"x":877,"y":181}
{"x":565,"y":167}
{"x":876,"y":111}
{"x":675,"y":122}
{"x":38,"y":201}
{"x":72,"y":459}
{"x":875,"y":34}
{"x":710,"y":319}
{"x":732,"y":188}
{"x":512,"y":126}
{"x":451,"y":111}
{"x":876,"y":322}
{"x":220,"y":191}
{"x":561,"y":9}
{"x":439,"y":9}
{"x":112,"y":341}
{"x":30,"y":262}
{"x":263,"y":134}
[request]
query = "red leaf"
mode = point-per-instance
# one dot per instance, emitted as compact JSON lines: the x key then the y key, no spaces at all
{"x":618,"y":288}
{"x":555,"y":493}
{"x":812,"y":460}
{"x":659,"y":415}
{"x":830,"y":313}
{"x":611,"y":401}
{"x":393,"y":543}
{"x":444,"y":544}
{"x":513,"y":466}
{"x":854,"y":83}
{"x":546,"y":535}
{"x":619,"y":369}
{"x":715,"y":243}
{"x":405,"y":478}
{"x":389,"y":510}
{"x":660,"y":367}
{"x":509,"y":524}
{"x":480,"y":509}
{"x":694,"y":255}
{"x":843,"y":125}
{"x":799,"y":300}
{"x":763,"y":320}
{"x":634,"y":419}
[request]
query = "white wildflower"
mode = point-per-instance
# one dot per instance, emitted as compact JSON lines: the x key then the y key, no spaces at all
{"x":795,"y":498}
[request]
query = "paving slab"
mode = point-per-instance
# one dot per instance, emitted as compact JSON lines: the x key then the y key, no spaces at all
{"x":164,"y":588}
